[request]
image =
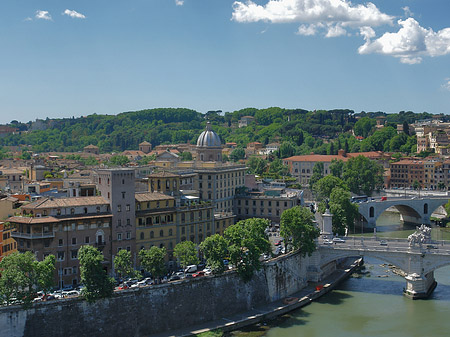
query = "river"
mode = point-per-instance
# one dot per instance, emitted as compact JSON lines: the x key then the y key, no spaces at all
{"x":368,"y":305}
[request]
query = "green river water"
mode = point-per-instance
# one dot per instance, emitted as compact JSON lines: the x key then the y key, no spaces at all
{"x":369,"y":305}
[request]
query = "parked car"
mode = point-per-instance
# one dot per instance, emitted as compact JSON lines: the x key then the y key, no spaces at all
{"x":174,"y":277}
{"x":200,"y":273}
{"x":207,"y":271}
{"x":431,"y":247}
{"x":123,"y":286}
{"x":191,"y":269}
{"x":327,"y":242}
{"x":338,"y":240}
{"x":279,"y":242}
{"x":383,"y":243}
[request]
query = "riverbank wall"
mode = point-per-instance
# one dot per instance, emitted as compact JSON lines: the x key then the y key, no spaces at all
{"x":152,"y":310}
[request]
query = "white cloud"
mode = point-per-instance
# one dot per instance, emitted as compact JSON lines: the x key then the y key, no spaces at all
{"x":410,"y":43}
{"x":74,"y":14}
{"x":335,"y":31}
{"x":307,"y":30}
{"x":179,"y":2}
{"x":407,"y":11}
{"x":341,"y":12}
{"x":446,"y":85}
{"x":28,"y":19}
{"x":45,"y":15}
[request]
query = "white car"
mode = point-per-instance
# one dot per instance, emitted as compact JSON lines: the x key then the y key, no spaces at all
{"x":327,"y":242}
{"x":338,"y":240}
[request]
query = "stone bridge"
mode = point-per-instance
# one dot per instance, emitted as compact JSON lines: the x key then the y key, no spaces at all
{"x":413,"y":210}
{"x":418,"y":262}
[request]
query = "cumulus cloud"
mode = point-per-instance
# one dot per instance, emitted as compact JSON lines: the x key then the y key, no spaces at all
{"x":338,"y":13}
{"x":45,"y":15}
{"x":335,"y":31}
{"x":179,"y":2}
{"x":446,"y":85}
{"x":308,"y":30}
{"x":407,"y":11}
{"x":410,"y":43}
{"x":74,"y":14}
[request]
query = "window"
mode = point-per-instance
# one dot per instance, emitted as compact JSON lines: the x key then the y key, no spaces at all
{"x":60,"y":242}
{"x":161,"y":233}
{"x":152,"y":235}
{"x":86,"y":239}
{"x":60,"y":256}
{"x":170,"y":232}
{"x":74,"y":241}
{"x":119,"y":208}
{"x":142,"y":236}
{"x":74,"y":254}
{"x":72,"y":211}
{"x":123,"y":195}
{"x":85,"y":210}
{"x":128,"y":235}
{"x":128,"y":222}
{"x":119,"y":236}
{"x":119,"y":222}
{"x":58,"y":211}
{"x":74,"y":270}
{"x":98,"y":209}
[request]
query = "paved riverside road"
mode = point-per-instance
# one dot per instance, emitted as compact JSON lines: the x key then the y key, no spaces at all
{"x":365,"y":243}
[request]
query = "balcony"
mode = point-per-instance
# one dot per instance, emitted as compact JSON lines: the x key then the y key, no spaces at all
{"x":33,"y":236}
{"x":100,"y":244}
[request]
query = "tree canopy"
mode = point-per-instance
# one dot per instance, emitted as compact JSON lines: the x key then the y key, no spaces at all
{"x":297,"y":229}
{"x":363,"y":175}
{"x":152,"y":260}
{"x":247,"y":240}
{"x":186,"y":253}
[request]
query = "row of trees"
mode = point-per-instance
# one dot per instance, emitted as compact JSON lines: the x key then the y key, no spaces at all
{"x":304,"y":130}
{"x":243,"y":244}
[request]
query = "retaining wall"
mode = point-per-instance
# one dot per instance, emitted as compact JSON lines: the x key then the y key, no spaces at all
{"x":145,"y":311}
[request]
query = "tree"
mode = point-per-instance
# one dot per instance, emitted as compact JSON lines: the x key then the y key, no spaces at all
{"x":238,"y":153}
{"x":297,"y":229}
{"x":406,"y":127}
{"x":363,"y":175}
{"x":257,"y":165}
{"x":22,"y":276}
{"x":277,"y":169}
{"x":287,"y":149}
{"x":152,"y":260}
{"x":336,"y":167}
{"x":97,"y":283}
{"x":123,"y":264}
{"x":186,"y":253}
{"x":186,"y":155}
{"x":363,"y":126}
{"x":247,"y":240}
{"x":344,"y":212}
{"x":119,"y":160}
{"x":317,"y":174}
{"x":215,"y":250}
{"x":325,"y":185}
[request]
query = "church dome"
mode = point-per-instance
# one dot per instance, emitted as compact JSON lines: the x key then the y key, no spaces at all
{"x":208,"y":138}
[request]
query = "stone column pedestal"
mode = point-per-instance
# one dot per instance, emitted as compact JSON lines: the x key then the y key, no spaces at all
{"x":419,"y":286}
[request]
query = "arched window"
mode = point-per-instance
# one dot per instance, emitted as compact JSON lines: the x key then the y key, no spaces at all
{"x":152,"y":235}
{"x":425,"y":209}
{"x":371,"y":212}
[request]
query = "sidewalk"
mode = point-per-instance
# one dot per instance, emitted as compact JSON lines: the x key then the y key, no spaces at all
{"x":270,"y":310}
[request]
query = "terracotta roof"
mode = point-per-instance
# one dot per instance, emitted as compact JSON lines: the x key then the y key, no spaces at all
{"x":316,"y":158}
{"x":66,"y":202}
{"x":163,"y":174}
{"x":32,"y":220}
{"x":152,"y":196}
{"x":91,"y":147}
{"x":145,"y":143}
{"x":408,"y":162}
{"x":133,"y":153}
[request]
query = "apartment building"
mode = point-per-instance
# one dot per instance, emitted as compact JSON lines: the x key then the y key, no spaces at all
{"x":60,"y":227}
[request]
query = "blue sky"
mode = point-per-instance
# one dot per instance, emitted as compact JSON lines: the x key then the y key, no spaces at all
{"x":63,"y":58}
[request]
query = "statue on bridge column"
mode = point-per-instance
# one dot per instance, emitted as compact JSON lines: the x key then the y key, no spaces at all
{"x":420,"y":236}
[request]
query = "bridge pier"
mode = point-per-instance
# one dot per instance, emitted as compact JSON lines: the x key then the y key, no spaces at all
{"x":419,"y":286}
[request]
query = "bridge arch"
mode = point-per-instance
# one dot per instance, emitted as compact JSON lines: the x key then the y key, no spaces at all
{"x":435,"y":266}
{"x":397,"y":260}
